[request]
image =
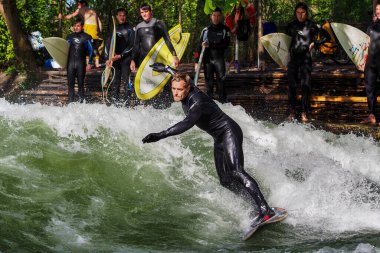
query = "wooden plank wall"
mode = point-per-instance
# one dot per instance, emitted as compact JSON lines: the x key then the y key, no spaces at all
{"x":337,"y":96}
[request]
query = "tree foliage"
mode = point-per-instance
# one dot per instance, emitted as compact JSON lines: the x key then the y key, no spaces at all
{"x":42,"y":15}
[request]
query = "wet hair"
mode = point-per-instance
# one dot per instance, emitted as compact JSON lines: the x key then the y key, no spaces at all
{"x":303,"y":6}
{"x":83,"y":2}
{"x":146,"y":7}
{"x":218,"y":9}
{"x":121,"y":10}
{"x":181,"y":76}
{"x":79,"y":20}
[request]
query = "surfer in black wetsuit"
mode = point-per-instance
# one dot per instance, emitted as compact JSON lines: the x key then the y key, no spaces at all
{"x":148,"y":32}
{"x":303,"y":32}
{"x":216,"y":39}
{"x":80,"y":46}
{"x":372,"y":67}
{"x":203,"y":112}
{"x":125,"y":35}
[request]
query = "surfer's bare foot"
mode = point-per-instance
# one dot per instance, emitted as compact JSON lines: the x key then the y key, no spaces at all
{"x":291,"y":117}
{"x":304,"y":117}
{"x":369,"y":120}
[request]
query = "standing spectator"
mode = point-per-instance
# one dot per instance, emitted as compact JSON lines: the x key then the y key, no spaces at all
{"x":123,"y":55}
{"x":80,"y":46}
{"x":303,"y":32}
{"x":372,"y":67}
{"x":92,"y":25}
{"x":216,"y":39}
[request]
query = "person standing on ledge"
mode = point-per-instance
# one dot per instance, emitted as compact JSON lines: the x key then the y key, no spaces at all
{"x":215,"y":39}
{"x":203,"y":112}
{"x":147,"y":33}
{"x":125,"y":35}
{"x":79,"y":46}
{"x":92,"y":25}
{"x":372,"y":68}
{"x":302,"y":31}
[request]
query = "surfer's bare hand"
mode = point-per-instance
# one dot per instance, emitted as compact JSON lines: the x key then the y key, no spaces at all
{"x":205,"y":44}
{"x":175,"y":61}
{"x":132,"y":66}
{"x":116,"y":57}
{"x":153,"y":137}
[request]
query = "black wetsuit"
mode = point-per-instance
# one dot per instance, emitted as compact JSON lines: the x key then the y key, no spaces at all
{"x":125,"y":35}
{"x":80,"y":46}
{"x":203,"y":112}
{"x":218,"y":37}
{"x":147,"y":35}
{"x":303,"y":34}
{"x":372,"y":67}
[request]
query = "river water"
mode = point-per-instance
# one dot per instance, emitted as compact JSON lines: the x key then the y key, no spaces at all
{"x":78,"y":179}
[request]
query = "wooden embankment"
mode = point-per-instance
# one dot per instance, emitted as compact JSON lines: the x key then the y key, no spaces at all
{"x":338,"y":102}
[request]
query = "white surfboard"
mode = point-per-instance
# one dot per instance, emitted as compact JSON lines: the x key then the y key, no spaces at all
{"x":58,"y":48}
{"x":277,"y":45}
{"x":354,"y":42}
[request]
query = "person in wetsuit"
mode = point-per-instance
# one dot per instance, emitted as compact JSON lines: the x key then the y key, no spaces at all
{"x":216,"y":39}
{"x":302,"y":31}
{"x":79,"y":46}
{"x":125,"y":35}
{"x":148,"y":32}
{"x":92,"y":25}
{"x":203,"y":112}
{"x":372,"y":68}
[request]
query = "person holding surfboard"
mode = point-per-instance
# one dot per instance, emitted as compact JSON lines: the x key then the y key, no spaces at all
{"x":303,"y":32}
{"x":203,"y":112}
{"x":147,"y":33}
{"x":79,"y":46}
{"x":125,"y":35}
{"x":92,"y":25}
{"x":215,"y":39}
{"x":372,"y":68}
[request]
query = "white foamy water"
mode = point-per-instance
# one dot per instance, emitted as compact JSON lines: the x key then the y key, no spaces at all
{"x":329,"y":183}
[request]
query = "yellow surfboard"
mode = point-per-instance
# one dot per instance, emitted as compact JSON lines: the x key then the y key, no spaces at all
{"x":148,"y":83}
{"x":277,"y":45}
{"x":58,"y":48}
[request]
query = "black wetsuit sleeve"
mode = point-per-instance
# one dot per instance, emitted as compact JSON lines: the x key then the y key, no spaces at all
{"x":129,"y":39}
{"x":136,"y":45}
{"x":107,"y":46}
{"x":161,"y":26}
{"x":191,"y":119}
{"x":199,"y":47}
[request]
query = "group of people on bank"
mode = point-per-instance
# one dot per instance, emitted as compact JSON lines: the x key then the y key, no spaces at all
{"x":133,"y":44}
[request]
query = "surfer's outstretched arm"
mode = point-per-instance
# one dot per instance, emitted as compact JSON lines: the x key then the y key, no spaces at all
{"x":177,"y":129}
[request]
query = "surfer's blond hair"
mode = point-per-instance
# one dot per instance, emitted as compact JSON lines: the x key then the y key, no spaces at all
{"x":181,"y":77}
